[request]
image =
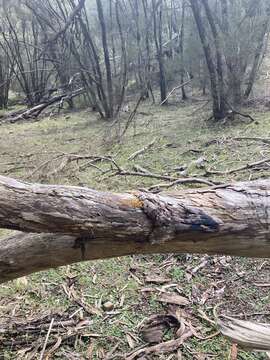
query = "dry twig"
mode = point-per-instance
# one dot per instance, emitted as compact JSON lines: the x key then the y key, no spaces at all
{"x":141,"y":151}
{"x":46,"y":340}
{"x":173,"y":90}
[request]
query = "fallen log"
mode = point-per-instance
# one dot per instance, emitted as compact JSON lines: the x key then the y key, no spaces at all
{"x":72,"y":224}
{"x":35,"y":111}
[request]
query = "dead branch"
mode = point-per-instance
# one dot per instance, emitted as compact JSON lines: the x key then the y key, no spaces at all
{"x":173,"y":90}
{"x":237,"y":112}
{"x":252,"y":138}
{"x":35,"y":111}
{"x":67,"y":158}
{"x":141,"y":151}
{"x":132,"y":114}
{"x":145,"y":174}
{"x":139,"y":171}
{"x":164,"y":347}
{"x":241,"y":168}
{"x":191,"y":180}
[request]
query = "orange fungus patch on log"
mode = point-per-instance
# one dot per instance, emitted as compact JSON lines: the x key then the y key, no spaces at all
{"x":133,"y":202}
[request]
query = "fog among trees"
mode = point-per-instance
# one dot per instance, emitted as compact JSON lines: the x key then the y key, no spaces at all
{"x":111,"y":49}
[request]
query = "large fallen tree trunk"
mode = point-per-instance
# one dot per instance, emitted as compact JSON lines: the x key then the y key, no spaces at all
{"x":72,"y":224}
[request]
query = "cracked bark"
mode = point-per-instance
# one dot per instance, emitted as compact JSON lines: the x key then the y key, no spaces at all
{"x":68,"y":224}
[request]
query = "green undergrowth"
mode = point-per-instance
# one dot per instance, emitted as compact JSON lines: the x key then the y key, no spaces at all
{"x":36,"y":151}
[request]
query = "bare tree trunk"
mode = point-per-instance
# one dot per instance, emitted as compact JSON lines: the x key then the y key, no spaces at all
{"x":218,"y":48}
{"x":157,"y":10}
{"x":6,"y":71}
{"x":208,"y":57}
{"x":134,"y":5}
{"x":106,"y":58}
{"x":258,"y":53}
{"x":218,"y":110}
{"x":74,"y":224}
{"x":124,"y":60}
{"x":147,"y":21}
{"x":182,"y":39}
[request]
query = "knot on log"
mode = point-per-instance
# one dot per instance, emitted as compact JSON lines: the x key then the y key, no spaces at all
{"x":170,"y":216}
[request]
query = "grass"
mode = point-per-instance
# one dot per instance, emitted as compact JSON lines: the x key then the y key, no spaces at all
{"x":25,"y":146}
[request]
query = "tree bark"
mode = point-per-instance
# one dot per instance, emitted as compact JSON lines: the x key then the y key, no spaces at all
{"x":70,"y":224}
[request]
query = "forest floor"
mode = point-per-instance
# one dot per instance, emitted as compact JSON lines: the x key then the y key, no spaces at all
{"x":111,"y":308}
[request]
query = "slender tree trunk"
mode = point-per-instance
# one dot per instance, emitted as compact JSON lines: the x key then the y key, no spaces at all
{"x":234,"y":73}
{"x":258,"y":53}
{"x":182,"y":39}
{"x":157,"y":20}
{"x":136,"y":14}
{"x":219,"y":67}
{"x":217,"y":111}
{"x":73,"y":224}
{"x":2,"y":86}
{"x":106,"y":58}
{"x":147,"y":22}
{"x":235,"y":86}
{"x":124,"y":59}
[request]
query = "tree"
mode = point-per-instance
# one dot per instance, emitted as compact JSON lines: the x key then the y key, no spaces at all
{"x":123,"y":47}
{"x":231,"y":59}
{"x":214,"y":62}
{"x":181,"y":45}
{"x":258,"y":52}
{"x":68,"y":224}
{"x":157,"y":8}
{"x":6,"y":74}
{"x":106,"y":58}
{"x":20,"y":40}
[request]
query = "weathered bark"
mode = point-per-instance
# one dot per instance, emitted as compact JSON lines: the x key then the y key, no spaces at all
{"x":74,"y":224}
